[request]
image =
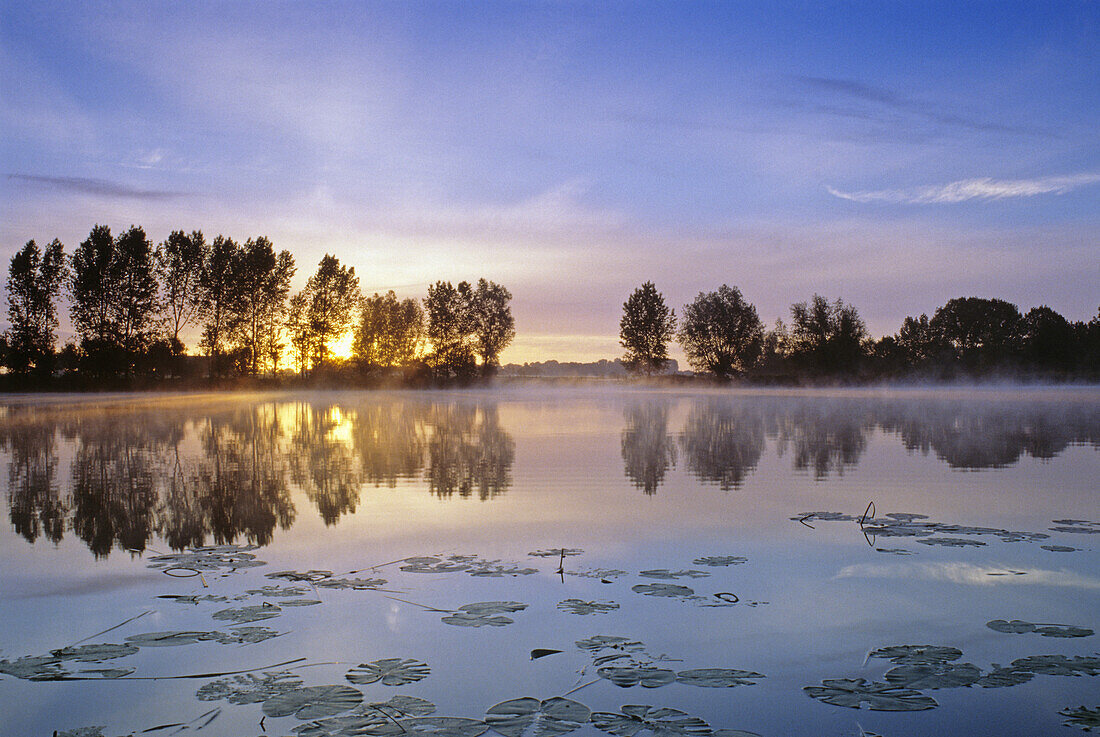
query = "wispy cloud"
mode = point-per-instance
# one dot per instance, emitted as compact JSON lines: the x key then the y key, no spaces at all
{"x":968,"y":574}
{"x":100,"y":187}
{"x":971,"y":189}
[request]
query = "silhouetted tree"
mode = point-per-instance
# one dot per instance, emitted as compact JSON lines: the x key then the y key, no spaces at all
{"x":389,"y":332}
{"x":450,"y":329}
{"x":827,"y":337}
{"x":493,"y":325}
{"x":219,"y":296}
{"x":979,"y":333}
{"x":136,"y":300}
{"x":721,"y":333}
{"x":179,"y":262}
{"x":332,"y":295}
{"x":34,"y":283}
{"x":261,"y":284}
{"x":1047,"y":340}
{"x":647,"y":448}
{"x":646,"y":328}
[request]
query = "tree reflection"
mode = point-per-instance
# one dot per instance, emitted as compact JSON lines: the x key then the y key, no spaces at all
{"x":321,"y":460}
{"x":389,"y":440}
{"x":34,"y":501}
{"x":648,"y":450}
{"x":823,"y":438}
{"x":722,"y":442}
{"x":468,"y":451}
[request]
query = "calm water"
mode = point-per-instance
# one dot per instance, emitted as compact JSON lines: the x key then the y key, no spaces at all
{"x":771,"y":536}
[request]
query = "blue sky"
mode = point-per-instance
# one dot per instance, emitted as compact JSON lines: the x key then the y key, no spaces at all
{"x":893,"y":154}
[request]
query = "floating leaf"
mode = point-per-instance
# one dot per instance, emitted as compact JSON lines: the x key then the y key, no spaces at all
{"x":428,"y":564}
{"x":244,"y":635}
{"x":894,"y":551}
{"x":602,"y":642}
{"x":249,"y":688}
{"x":350,"y":725}
{"x":534,"y":718}
{"x":556,"y":553}
{"x":579,"y":606}
{"x":477,"y":620}
{"x":852,"y":692}
{"x":109,"y":672}
{"x":661,"y":722}
{"x":402,"y":706}
{"x":390,"y":671}
{"x":1063,"y":630}
{"x":661,"y":589}
{"x":667,"y":574}
{"x":951,"y":542}
{"x":358,"y":584}
{"x":299,"y":602}
{"x":1015,"y":627}
{"x":34,"y":668}
{"x":193,"y":598}
{"x":168,"y":639}
{"x":94,"y":653}
{"x":1003,"y":677}
{"x":278,"y":591}
{"x":933,"y":675}
{"x":542,"y":652}
{"x":82,"y":732}
{"x":248,"y":613}
{"x":1059,"y":548}
{"x":605,"y":575}
{"x":917,"y":654}
{"x":720,"y":560}
{"x":445,"y":726}
{"x":492,"y":607}
{"x":209,"y":558}
{"x":645,"y":676}
{"x":310,"y":576}
{"x":499,"y":571}
{"x":312,"y":702}
{"x":1081,"y":717}
{"x":717,"y":677}
{"x":1059,"y":665}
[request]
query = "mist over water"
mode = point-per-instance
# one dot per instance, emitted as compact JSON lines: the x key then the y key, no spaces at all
{"x":859,"y":519}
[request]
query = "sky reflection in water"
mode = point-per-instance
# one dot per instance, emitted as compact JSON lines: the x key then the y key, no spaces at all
{"x":640,"y":481}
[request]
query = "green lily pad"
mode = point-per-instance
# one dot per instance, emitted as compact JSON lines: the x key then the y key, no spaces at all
{"x":1015,"y":627}
{"x":249,"y":688}
{"x":390,"y":671}
{"x":529,"y":717}
{"x":33,"y":667}
{"x":357,"y":584}
{"x":430,"y":564}
{"x":248,"y":613}
{"x":310,"y":576}
{"x":933,"y":675}
{"x":108,"y":672}
{"x":1003,"y":677}
{"x":1059,"y":548}
{"x":300,"y":602}
{"x":209,"y":558}
{"x":720,"y":560}
{"x":1082,"y":717}
{"x":658,"y":721}
{"x":313,"y":702}
{"x":1059,"y":665}
{"x":951,"y":542}
{"x":401,"y":706}
{"x":645,"y":676}
{"x":853,"y":692}
{"x":612,"y":642}
{"x":582,"y":607}
{"x":662,"y":589}
{"x":492,"y":607}
{"x":717,"y":677}
{"x":350,"y":725}
{"x":278,"y":591}
{"x":169,"y":639}
{"x":484,"y":614}
{"x":494,"y":570}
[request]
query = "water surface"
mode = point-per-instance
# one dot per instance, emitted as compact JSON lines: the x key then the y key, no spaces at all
{"x":771,"y":533}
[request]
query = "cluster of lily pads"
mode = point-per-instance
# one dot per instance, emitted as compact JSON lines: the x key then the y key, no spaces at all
{"x":626,"y":662}
{"x":908,"y":525}
{"x":919,"y":668}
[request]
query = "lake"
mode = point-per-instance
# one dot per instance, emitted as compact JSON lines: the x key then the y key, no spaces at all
{"x":539,"y":561}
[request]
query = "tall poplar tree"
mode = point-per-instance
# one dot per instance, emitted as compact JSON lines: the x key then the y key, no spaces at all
{"x":34,"y":282}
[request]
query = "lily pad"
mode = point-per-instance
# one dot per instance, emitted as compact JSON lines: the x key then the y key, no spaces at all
{"x":358,"y":584}
{"x":1059,"y":548}
{"x":94,"y":653}
{"x":279,"y":591}
{"x":717,"y":677}
{"x":169,"y":639}
{"x":951,"y":542}
{"x":492,"y":607}
{"x":401,"y":706}
{"x":108,"y":672}
{"x":82,"y":732}
{"x":1015,"y":627}
{"x":667,"y":574}
{"x":917,"y":654}
{"x":645,"y":676}
{"x":613,"y":642}
{"x":33,"y":668}
{"x":494,"y":570}
{"x":248,"y":613}
{"x":529,"y":717}
{"x":556,"y":553}
{"x":720,"y":560}
{"x":853,"y":692}
{"x":313,"y":702}
{"x":249,"y":688}
{"x":579,"y":606}
{"x":933,"y":675}
{"x":445,"y":726}
{"x":209,"y":558}
{"x":1059,"y":665}
{"x":430,"y":564}
{"x":390,"y":671}
{"x":244,"y":635}
{"x":310,"y":576}
{"x":1018,"y":627}
{"x":1004,"y":677}
{"x":659,"y":721}
{"x":300,"y":602}
{"x":1082,"y":717}
{"x":349,"y":725}
{"x":662,"y":589}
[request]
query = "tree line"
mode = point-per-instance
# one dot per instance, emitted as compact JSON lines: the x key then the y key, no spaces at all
{"x":722,"y":335}
{"x":130,"y":303}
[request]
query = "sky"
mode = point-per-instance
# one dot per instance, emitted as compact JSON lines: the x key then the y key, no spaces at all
{"x":891,"y":154}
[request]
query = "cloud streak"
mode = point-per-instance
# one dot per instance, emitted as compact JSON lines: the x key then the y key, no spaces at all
{"x":970,"y":189}
{"x":99,"y":187}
